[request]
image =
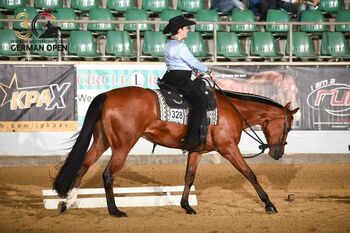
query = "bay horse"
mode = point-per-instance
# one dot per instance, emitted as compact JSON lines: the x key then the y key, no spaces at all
{"x":118,"y":118}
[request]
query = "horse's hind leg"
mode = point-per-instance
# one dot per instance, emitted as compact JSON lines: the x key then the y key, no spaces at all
{"x":115,"y":164}
{"x":232,"y":154}
{"x":192,"y":164}
{"x":99,"y":145}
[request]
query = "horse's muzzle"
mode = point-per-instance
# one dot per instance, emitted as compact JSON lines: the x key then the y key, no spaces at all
{"x":276,"y":152}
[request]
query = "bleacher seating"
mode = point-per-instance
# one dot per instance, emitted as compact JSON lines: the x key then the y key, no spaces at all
{"x":234,"y":41}
{"x":154,"y":44}
{"x":136,"y":15}
{"x":26,"y":13}
{"x":278,"y":17}
{"x":264,"y":45}
{"x":209,"y":16}
{"x":335,"y":45}
{"x":67,"y":14}
{"x":190,"y":6}
{"x":119,"y":5}
{"x":343,"y":16}
{"x":302,"y":46}
{"x":330,"y":6}
{"x":7,"y":39}
{"x":48,"y":4}
{"x":312,"y":16}
{"x":119,"y":45}
{"x":155,"y":6}
{"x":243,"y":16}
{"x":196,"y":45}
{"x":2,"y":24}
{"x":12,"y":5}
{"x":84,"y":5}
{"x":228,"y":46}
{"x":82,"y":44}
{"x":100,"y":14}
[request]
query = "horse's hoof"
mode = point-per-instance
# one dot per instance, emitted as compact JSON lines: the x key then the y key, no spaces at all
{"x":271,"y":209}
{"x":62,"y":207}
{"x":119,"y":214}
{"x":190,"y":211}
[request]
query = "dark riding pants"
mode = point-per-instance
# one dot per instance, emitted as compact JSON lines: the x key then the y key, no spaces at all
{"x":181,"y":81}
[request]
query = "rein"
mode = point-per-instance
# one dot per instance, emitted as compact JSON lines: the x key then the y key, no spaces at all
{"x":263,"y":146}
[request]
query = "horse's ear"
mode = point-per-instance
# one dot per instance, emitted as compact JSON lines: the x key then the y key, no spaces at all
{"x":287,"y":105}
{"x":294,"y":111}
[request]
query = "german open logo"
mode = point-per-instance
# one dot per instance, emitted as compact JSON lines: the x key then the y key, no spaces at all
{"x":47,"y":39}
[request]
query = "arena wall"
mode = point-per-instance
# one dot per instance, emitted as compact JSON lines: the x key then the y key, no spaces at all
{"x":325,"y":138}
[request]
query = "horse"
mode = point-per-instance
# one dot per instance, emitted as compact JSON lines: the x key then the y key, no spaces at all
{"x":118,"y":118}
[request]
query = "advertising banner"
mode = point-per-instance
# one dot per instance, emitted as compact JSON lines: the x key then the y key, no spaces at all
{"x":37,"y":98}
{"x":322,"y":93}
{"x":93,"y":80}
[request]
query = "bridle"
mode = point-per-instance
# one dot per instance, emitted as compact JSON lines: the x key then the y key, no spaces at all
{"x":286,"y":129}
{"x":263,"y":146}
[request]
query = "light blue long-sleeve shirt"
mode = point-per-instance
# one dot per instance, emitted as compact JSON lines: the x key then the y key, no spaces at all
{"x":179,"y":57}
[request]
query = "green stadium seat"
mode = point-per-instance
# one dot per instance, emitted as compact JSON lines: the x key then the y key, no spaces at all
{"x":280,"y":20}
{"x":136,"y":14}
{"x":84,"y":5}
{"x":48,"y":4}
{"x":329,"y":6}
{"x":155,"y":6}
{"x":264,"y":45}
{"x":335,"y":45}
{"x":12,"y":5}
{"x":119,"y":44}
{"x":23,"y":13}
{"x":190,"y":6}
{"x":314,"y":17}
{"x":154,"y":44}
{"x":229,"y":46}
{"x":67,"y":14}
{"x":100,"y":14}
{"x":2,"y":24}
{"x":196,"y":45}
{"x":302,"y":46}
{"x":7,"y":39}
{"x":243,"y":16}
{"x":343,"y":16}
{"x":119,"y":5}
{"x":46,"y":43}
{"x":207,"y":16}
{"x":82,"y":44}
{"x":168,"y":14}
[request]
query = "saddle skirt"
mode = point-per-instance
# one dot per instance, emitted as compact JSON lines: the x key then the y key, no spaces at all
{"x":174,"y":108}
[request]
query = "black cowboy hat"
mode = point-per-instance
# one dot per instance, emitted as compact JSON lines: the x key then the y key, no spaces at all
{"x":176,"y":23}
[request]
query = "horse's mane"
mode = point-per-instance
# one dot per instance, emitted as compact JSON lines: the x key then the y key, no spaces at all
{"x":250,"y":97}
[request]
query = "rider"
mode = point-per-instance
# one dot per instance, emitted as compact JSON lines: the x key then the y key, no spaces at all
{"x":180,"y":63}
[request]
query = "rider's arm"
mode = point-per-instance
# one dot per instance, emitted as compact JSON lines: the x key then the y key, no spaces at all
{"x":185,"y":54}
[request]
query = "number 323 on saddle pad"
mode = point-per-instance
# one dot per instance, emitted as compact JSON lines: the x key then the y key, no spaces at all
{"x":174,"y":108}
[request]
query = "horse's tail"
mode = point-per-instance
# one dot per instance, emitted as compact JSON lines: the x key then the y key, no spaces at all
{"x":67,"y":174}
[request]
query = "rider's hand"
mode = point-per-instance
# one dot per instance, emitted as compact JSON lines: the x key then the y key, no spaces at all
{"x":198,"y":75}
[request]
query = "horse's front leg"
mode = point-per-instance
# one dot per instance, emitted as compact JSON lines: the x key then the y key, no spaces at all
{"x":232,"y":154}
{"x":192,"y":164}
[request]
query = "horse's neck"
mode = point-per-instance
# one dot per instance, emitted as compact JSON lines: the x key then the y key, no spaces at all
{"x":256,"y":113}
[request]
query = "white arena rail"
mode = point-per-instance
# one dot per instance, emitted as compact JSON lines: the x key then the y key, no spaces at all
{"x":165,"y":197}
